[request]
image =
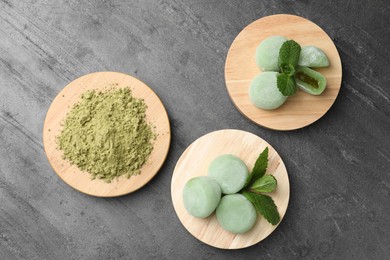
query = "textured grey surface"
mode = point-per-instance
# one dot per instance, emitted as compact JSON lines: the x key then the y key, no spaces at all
{"x":338,"y":167}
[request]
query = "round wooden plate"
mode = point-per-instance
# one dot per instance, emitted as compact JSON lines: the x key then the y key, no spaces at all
{"x":299,"y":110}
{"x":195,"y":161}
{"x":71,"y":174}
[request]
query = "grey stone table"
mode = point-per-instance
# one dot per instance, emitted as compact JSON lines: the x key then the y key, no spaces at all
{"x":338,"y":167}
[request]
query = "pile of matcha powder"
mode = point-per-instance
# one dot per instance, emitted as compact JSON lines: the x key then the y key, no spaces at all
{"x":106,"y":134}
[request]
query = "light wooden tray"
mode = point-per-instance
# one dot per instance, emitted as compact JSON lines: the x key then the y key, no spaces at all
{"x":300,"y":110}
{"x":71,"y":174}
{"x":195,"y":161}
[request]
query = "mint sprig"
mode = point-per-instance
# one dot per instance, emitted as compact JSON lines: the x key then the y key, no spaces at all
{"x":258,"y":182}
{"x":267,"y":183}
{"x":259,"y":169}
{"x":287,"y":62}
{"x":286,"y":84}
{"x":289,"y":53}
{"x":264,"y":205}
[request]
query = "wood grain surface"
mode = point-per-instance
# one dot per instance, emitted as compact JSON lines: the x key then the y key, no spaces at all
{"x":195,"y":161}
{"x":299,"y":110}
{"x":65,"y":100}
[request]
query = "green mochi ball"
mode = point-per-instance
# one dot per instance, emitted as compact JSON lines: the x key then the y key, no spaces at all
{"x":236,"y":214}
{"x":314,"y":57}
{"x":310,"y":81}
{"x":230,"y":172}
{"x":267,"y":53}
{"x":264,"y":92}
{"x":201,"y":196}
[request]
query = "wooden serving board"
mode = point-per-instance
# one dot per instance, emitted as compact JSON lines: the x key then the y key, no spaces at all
{"x":195,"y":161}
{"x":300,"y":110}
{"x":71,"y":174}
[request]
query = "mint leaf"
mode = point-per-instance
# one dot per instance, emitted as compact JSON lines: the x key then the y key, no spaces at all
{"x":287,"y":61}
{"x":267,"y":183}
{"x":289,"y":53}
{"x":264,"y":205}
{"x":286,"y":84}
{"x":288,"y":69}
{"x":259,"y":169}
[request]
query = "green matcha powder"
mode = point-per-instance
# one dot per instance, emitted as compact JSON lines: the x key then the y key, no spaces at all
{"x":107,"y":135}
